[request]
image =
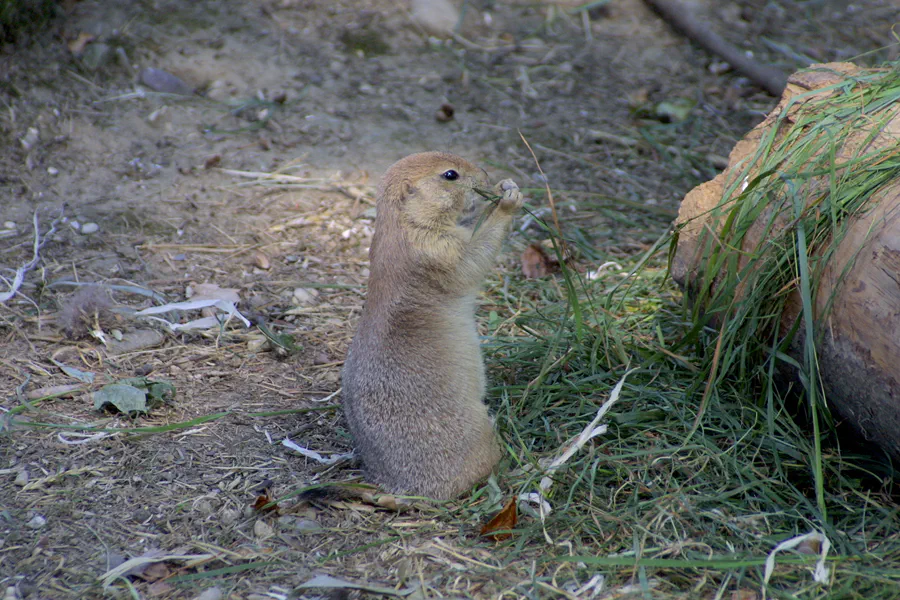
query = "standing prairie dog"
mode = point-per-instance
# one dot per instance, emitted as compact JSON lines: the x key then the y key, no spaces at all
{"x":413,"y":380}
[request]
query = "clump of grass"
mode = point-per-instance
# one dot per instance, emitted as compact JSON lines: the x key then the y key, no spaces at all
{"x":648,"y":504}
{"x":779,"y":222}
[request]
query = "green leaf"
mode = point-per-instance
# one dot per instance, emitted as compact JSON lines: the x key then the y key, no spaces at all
{"x":126,"y":398}
{"x":157,"y":391}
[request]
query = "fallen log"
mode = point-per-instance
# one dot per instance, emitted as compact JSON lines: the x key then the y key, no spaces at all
{"x":796,"y":245}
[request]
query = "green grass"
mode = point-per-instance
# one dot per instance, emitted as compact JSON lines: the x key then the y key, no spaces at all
{"x":648,"y":503}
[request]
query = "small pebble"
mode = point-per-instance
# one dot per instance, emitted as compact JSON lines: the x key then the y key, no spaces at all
{"x":438,"y":17}
{"x":307,"y":526}
{"x":144,"y":370}
{"x":30,"y":139}
{"x":156,"y":117}
{"x":52,"y":171}
{"x":21,"y":478}
{"x":164,"y":82}
{"x":89,"y":228}
{"x":229,"y":516}
{"x":256,"y":344}
{"x":36,"y":522}
{"x":212,"y":593}
{"x":261,"y":261}
{"x":262,"y":530}
{"x":11,"y":593}
{"x":445,"y":113}
{"x":304,"y":296}
{"x":9,"y":225}
{"x":300,"y":525}
{"x":75,"y":225}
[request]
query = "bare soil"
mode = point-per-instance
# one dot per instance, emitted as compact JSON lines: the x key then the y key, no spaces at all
{"x":331,"y":93}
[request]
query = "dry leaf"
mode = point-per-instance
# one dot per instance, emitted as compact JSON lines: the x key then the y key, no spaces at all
{"x":503,"y":520}
{"x":265,"y":504}
{"x":212,"y":161}
{"x":77,"y":45}
{"x":535,"y":262}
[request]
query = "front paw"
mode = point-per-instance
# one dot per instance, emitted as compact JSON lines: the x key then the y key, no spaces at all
{"x":510,"y":196}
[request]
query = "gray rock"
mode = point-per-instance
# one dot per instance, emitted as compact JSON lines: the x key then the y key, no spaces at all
{"x":36,"y":522}
{"x":139,"y":339}
{"x":437,"y":17}
{"x":212,"y":593}
{"x":21,"y":478}
{"x":164,"y":82}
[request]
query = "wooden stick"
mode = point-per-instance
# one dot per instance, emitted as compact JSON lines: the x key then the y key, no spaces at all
{"x":678,"y":16}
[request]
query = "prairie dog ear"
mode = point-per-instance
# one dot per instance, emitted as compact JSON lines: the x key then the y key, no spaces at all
{"x":406,"y":188}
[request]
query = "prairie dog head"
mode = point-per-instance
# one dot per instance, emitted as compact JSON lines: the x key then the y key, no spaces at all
{"x":431,"y":190}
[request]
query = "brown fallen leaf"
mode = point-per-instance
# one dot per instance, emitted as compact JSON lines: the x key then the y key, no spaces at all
{"x":503,"y":520}
{"x":535,"y":262}
{"x":541,"y":258}
{"x":265,"y":503}
{"x":212,"y":162}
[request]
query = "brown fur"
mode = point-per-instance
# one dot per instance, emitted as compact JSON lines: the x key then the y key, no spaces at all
{"x":413,"y":381}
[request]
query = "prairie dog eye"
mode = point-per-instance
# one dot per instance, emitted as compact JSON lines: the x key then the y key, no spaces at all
{"x":450,"y":175}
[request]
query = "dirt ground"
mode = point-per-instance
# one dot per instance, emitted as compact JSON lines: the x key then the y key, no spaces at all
{"x":180,"y":191}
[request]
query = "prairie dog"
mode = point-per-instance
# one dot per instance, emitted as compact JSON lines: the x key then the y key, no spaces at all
{"x":413,"y":380}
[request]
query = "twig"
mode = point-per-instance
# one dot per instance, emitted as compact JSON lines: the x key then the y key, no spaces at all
{"x":546,"y":186}
{"x":681,"y":18}
{"x":38,"y":244}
